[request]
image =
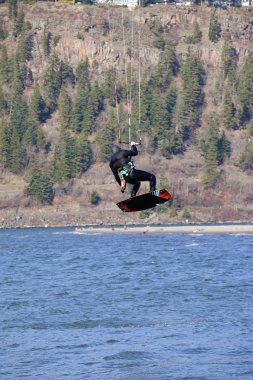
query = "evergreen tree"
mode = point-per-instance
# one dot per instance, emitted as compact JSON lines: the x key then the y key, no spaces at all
{"x":223,"y":148}
{"x":172,"y":144}
{"x":94,"y":104}
{"x":157,"y":106}
{"x":65,"y":107}
{"x":19,"y":77}
{"x":159,"y":117}
{"x":66,"y":74}
{"x":25,"y":46}
{"x":17,"y":154}
{"x":33,"y":135}
{"x":229,"y":59}
{"x":83,"y":153}
{"x":53,"y":82}
{"x":216,"y":147}
{"x":88,"y":117}
{"x":3,"y":103}
{"x":19,"y":114}
{"x":171,"y":101}
{"x":46,"y":41}
{"x":4,"y":66}
{"x":40,"y":185}
{"x":196,"y":36}
{"x":159,"y":41}
{"x":106,"y":137}
{"x":64,"y":159}
{"x":111,"y":90}
{"x":97,"y":100}
{"x":246,"y":157}
{"x":22,"y":55}
{"x":211,"y":173}
{"x":229,"y":111}
{"x":165,"y":70}
{"x":83,"y":72}
{"x":80,"y":113}
{"x":19,"y":24}
{"x":38,"y":109}
{"x":3,"y":33}
{"x":72,"y":156}
{"x":80,"y":107}
{"x":193,"y":79}
{"x":4,"y":145}
{"x":59,"y":167}
{"x":214,"y":32}
{"x":13,"y":9}
{"x":69,"y":156}
{"x":245,"y":89}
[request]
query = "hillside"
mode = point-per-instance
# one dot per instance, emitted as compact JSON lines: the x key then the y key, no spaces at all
{"x":103,"y":35}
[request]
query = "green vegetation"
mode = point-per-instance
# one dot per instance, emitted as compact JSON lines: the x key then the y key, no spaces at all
{"x":229,"y":111}
{"x":216,"y":147}
{"x":229,"y":60}
{"x":245,"y":90}
{"x":40,"y":185}
{"x":145,"y":214}
{"x":46,"y":42}
{"x":196,"y":35}
{"x":246,"y":157}
{"x":193,"y":75}
{"x":95,"y":198}
{"x":186,"y":214}
{"x":214,"y":32}
{"x":3,"y":34}
{"x":106,"y":137}
{"x":72,"y":157}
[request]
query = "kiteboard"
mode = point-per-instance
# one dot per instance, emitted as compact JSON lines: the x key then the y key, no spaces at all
{"x":145,"y":201}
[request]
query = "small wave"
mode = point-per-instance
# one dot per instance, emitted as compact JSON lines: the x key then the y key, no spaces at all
{"x":192,"y":245}
{"x":62,"y":232}
{"x":197,"y":350}
{"x":128,"y":355}
{"x":63,"y":346}
{"x":112,"y":341}
{"x":22,"y":237}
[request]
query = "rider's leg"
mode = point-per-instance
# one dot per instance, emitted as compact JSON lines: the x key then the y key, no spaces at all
{"x":139,"y":176}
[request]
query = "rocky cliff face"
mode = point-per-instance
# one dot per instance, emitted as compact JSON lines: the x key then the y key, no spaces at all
{"x":103,"y":33}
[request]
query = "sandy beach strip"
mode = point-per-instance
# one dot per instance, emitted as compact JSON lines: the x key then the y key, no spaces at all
{"x":182,"y":229}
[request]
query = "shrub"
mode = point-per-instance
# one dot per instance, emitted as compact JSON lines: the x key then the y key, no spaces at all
{"x":246,"y":157}
{"x":186,"y":214}
{"x":144,"y":214}
{"x":95,"y":198}
{"x":3,"y":34}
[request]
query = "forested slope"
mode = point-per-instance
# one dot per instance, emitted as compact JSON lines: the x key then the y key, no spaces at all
{"x":72,"y":75}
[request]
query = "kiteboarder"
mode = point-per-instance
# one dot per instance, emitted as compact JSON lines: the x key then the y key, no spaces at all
{"x":124,"y":169}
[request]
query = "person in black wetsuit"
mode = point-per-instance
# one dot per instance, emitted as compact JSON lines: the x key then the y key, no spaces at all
{"x":124,"y":170}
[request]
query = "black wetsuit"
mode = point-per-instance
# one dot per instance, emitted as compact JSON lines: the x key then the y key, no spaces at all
{"x":120,"y":159}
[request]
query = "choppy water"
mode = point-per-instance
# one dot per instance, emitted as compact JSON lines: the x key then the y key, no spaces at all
{"x":125,"y":307}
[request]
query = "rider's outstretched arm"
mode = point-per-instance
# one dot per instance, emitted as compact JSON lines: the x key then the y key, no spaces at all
{"x":132,"y":152}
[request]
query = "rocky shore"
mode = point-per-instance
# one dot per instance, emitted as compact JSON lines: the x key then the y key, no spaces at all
{"x":101,"y":217}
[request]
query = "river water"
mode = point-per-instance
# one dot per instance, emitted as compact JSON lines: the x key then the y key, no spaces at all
{"x":125,"y":307}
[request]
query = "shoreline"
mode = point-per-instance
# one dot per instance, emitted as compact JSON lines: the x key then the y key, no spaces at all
{"x":182,"y":229}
